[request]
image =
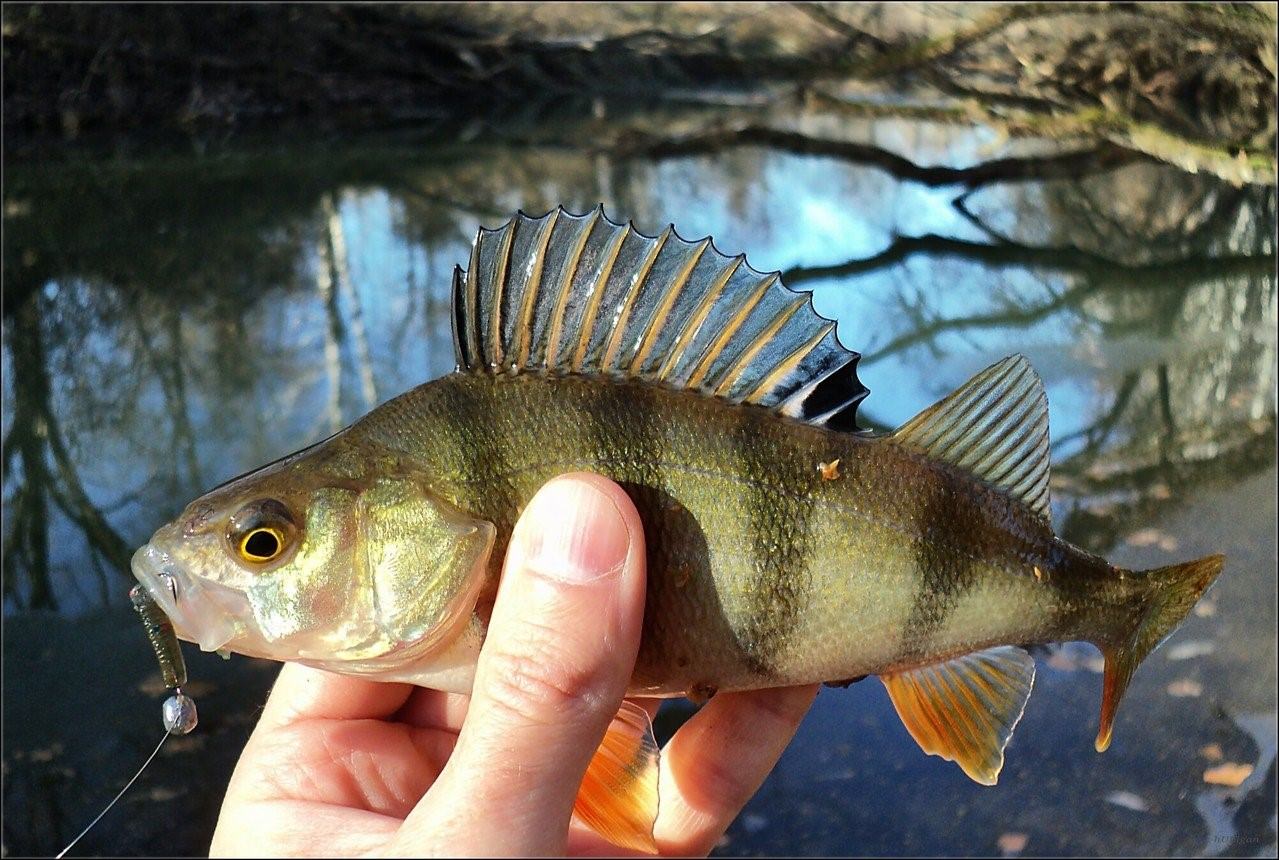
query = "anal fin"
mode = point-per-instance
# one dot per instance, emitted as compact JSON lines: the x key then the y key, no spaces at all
{"x":965,"y":709}
{"x":618,"y":797}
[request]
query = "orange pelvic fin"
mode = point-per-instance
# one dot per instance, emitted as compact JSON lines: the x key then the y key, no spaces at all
{"x":965,"y":709}
{"x":618,"y":797}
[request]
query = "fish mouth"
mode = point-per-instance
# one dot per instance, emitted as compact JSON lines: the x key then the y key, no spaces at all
{"x":201,"y":611}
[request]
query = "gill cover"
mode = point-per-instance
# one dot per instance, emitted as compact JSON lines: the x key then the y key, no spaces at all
{"x":387,"y":571}
{"x":426,"y":559}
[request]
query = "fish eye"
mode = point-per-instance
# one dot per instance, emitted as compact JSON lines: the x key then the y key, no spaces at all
{"x":261,"y":544}
{"x":262,"y":531}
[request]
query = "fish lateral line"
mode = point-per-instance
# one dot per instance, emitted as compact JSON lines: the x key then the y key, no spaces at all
{"x":790,"y":547}
{"x":775,"y":487}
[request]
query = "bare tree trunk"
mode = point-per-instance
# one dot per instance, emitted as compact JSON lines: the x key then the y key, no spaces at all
{"x":324,"y":277}
{"x":342,"y":277}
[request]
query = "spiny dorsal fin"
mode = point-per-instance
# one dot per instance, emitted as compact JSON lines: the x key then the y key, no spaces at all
{"x":994,"y":426}
{"x":582,"y":294}
{"x":965,"y":709}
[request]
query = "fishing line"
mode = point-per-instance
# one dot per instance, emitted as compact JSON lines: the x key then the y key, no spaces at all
{"x":178,"y":713}
{"x":127,"y":786}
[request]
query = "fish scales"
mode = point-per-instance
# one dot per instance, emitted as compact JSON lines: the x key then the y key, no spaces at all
{"x":784,"y":545}
{"x":791,"y":559}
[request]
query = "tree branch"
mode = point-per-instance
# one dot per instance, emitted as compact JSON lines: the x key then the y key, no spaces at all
{"x":1063,"y":165}
{"x":1059,"y":259}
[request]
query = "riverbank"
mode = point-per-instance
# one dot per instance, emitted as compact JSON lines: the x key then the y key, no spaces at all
{"x":1192,"y":85}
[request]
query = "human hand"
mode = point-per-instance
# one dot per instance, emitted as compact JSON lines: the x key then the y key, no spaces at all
{"x":340,"y":766}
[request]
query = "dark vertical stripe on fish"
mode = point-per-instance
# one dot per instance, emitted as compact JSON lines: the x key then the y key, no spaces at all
{"x":945,"y":576}
{"x":1075,"y":601}
{"x":474,"y":434}
{"x":628,"y":438}
{"x":624,"y":430}
{"x":780,"y":531}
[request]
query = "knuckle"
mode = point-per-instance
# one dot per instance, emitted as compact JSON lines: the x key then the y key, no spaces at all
{"x":782,"y":710}
{"x":532,"y":678}
{"x":723,"y":784}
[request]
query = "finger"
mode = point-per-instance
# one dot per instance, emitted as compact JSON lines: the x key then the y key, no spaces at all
{"x":718,"y":760}
{"x":585,"y":842}
{"x":300,"y":828}
{"x":372,"y":765}
{"x":431,"y":709}
{"x":559,"y":653}
{"x":303,"y":693}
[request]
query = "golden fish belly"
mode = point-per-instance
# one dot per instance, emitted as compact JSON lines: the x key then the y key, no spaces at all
{"x":767,"y":564}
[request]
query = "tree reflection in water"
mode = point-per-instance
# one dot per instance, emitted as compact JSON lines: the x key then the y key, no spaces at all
{"x":173,"y":320}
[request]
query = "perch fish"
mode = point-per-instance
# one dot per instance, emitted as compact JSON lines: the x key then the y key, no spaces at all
{"x":784,"y":545}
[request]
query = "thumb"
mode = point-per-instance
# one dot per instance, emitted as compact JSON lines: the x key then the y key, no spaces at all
{"x":555,"y":664}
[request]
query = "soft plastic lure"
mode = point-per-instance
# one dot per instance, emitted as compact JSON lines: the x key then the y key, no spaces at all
{"x":178,"y":713}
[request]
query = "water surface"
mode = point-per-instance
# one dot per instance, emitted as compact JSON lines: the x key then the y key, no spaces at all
{"x":177,"y":315}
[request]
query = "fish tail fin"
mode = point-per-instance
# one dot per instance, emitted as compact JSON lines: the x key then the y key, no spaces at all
{"x":1163,"y":597}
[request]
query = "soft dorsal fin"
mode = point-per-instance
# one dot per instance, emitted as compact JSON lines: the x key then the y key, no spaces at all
{"x":965,"y":709}
{"x":582,"y":294}
{"x":994,"y":426}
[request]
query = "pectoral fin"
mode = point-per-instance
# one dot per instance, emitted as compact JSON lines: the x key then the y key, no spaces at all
{"x":965,"y":709}
{"x":618,"y":797}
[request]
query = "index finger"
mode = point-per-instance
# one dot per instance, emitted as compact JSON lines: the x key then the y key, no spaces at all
{"x":718,"y":760}
{"x":303,"y":693}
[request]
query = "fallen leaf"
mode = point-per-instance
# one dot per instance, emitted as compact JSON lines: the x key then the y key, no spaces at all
{"x":1229,"y":774}
{"x":1127,"y":800}
{"x":1205,"y":609}
{"x":177,"y":744}
{"x":1062,"y":662}
{"x":1145,"y":537}
{"x":1194,"y":648}
{"x":1012,"y":843}
{"x":1212,"y":752}
{"x":160,"y":794}
{"x":46,"y":754}
{"x":1185,"y":688}
{"x":152,"y":685}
